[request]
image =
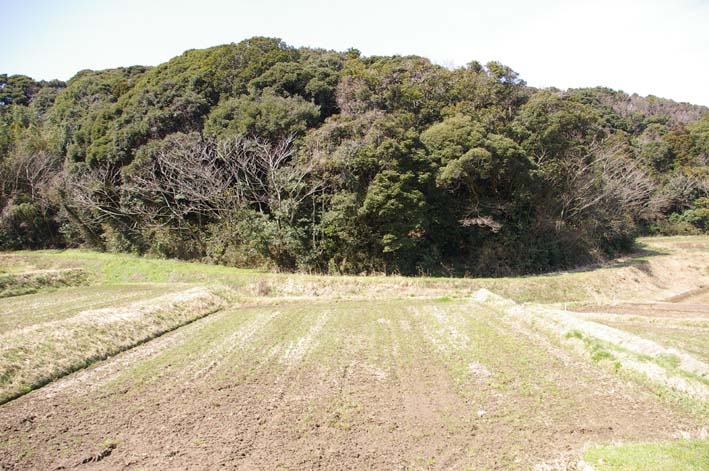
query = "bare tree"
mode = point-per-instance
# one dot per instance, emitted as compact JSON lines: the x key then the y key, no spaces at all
{"x":267,"y":175}
{"x":184,"y":178}
{"x":30,"y":174}
{"x":91,"y":199}
{"x":95,"y":192}
{"x":186,"y":182}
{"x":29,"y":177}
{"x":606,"y":180}
{"x":204,"y":179}
{"x":681,"y":189}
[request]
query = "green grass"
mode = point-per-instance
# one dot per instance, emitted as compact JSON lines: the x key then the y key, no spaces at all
{"x":576,"y":286}
{"x":598,"y":350}
{"x":126,"y":268}
{"x":680,"y":455}
{"x":109,"y":268}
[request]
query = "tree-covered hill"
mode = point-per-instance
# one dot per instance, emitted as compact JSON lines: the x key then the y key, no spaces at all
{"x":261,"y":154}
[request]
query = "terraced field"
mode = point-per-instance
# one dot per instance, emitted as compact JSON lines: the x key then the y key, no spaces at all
{"x":23,"y":311}
{"x":584,"y":370}
{"x":683,"y":326}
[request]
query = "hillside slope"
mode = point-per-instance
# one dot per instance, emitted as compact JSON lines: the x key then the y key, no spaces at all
{"x":259,"y":154}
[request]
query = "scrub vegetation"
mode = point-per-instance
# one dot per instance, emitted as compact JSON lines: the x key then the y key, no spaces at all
{"x":259,"y":154}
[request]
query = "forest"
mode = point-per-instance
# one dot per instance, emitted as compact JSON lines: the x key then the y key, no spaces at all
{"x":259,"y":154}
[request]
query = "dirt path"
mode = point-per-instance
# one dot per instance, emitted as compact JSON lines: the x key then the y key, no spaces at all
{"x":695,"y":297}
{"x":332,"y":386}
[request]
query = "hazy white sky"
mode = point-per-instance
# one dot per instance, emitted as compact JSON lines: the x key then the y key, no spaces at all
{"x":648,"y":47}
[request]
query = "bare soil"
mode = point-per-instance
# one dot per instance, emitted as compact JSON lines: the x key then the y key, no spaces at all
{"x":349,"y":373}
{"x":370,"y":386}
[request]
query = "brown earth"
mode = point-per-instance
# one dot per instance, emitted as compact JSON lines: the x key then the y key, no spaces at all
{"x":307,"y":383}
{"x":353,"y":385}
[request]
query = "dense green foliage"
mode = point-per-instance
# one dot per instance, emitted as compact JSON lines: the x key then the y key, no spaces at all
{"x":261,"y":154}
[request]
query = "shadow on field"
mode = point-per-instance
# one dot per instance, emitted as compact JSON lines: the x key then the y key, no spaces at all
{"x":638,"y":258}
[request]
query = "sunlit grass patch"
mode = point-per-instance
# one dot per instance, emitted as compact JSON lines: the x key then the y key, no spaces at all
{"x":127,"y":268}
{"x":584,"y":285}
{"x":679,"y":455}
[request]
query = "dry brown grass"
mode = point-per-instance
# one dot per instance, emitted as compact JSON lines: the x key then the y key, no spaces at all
{"x":667,"y":367}
{"x":18,"y":283}
{"x":35,"y":355}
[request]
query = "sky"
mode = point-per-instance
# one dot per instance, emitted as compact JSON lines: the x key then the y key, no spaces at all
{"x":646,"y":47}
